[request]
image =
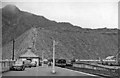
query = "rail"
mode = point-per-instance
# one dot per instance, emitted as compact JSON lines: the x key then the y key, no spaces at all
{"x":5,"y":65}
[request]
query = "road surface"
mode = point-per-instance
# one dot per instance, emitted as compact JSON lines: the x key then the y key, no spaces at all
{"x":46,"y":71}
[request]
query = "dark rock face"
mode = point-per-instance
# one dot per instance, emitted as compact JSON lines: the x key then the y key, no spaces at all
{"x":73,"y":41}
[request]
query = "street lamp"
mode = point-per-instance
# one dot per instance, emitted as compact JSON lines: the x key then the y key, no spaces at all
{"x":53,"y":68}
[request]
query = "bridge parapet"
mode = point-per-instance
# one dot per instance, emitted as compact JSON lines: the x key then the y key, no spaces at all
{"x":99,"y":69}
{"x":5,"y":65}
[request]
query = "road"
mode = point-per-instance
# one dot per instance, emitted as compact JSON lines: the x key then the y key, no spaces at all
{"x":46,"y":71}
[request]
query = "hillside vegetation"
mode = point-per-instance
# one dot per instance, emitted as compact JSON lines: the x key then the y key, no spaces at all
{"x":72,"y":41}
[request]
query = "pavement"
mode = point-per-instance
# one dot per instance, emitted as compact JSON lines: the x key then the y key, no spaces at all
{"x":46,"y":71}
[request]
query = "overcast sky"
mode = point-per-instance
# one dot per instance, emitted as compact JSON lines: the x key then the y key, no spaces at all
{"x":83,"y":13}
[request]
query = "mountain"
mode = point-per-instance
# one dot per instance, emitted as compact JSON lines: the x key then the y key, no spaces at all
{"x":72,"y":41}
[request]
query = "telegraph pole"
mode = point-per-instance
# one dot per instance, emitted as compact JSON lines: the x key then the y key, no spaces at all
{"x":13,"y":50}
{"x":53,"y":70}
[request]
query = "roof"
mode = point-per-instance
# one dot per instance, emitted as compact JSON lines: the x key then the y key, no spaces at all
{"x":29,"y":54}
{"x":110,"y":57}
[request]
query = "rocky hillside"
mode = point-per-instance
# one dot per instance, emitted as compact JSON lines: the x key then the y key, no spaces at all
{"x":72,"y":41}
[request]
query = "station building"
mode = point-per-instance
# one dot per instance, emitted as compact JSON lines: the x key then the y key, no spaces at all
{"x":29,"y":55}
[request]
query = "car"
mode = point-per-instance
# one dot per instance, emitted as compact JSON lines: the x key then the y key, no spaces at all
{"x":33,"y":64}
{"x":18,"y":66}
{"x":27,"y":63}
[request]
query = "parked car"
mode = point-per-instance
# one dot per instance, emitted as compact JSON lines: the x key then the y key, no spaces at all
{"x":18,"y":66}
{"x":27,"y":63}
{"x":33,"y":63}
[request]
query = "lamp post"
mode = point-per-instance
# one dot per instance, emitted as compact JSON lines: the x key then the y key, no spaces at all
{"x":53,"y":68}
